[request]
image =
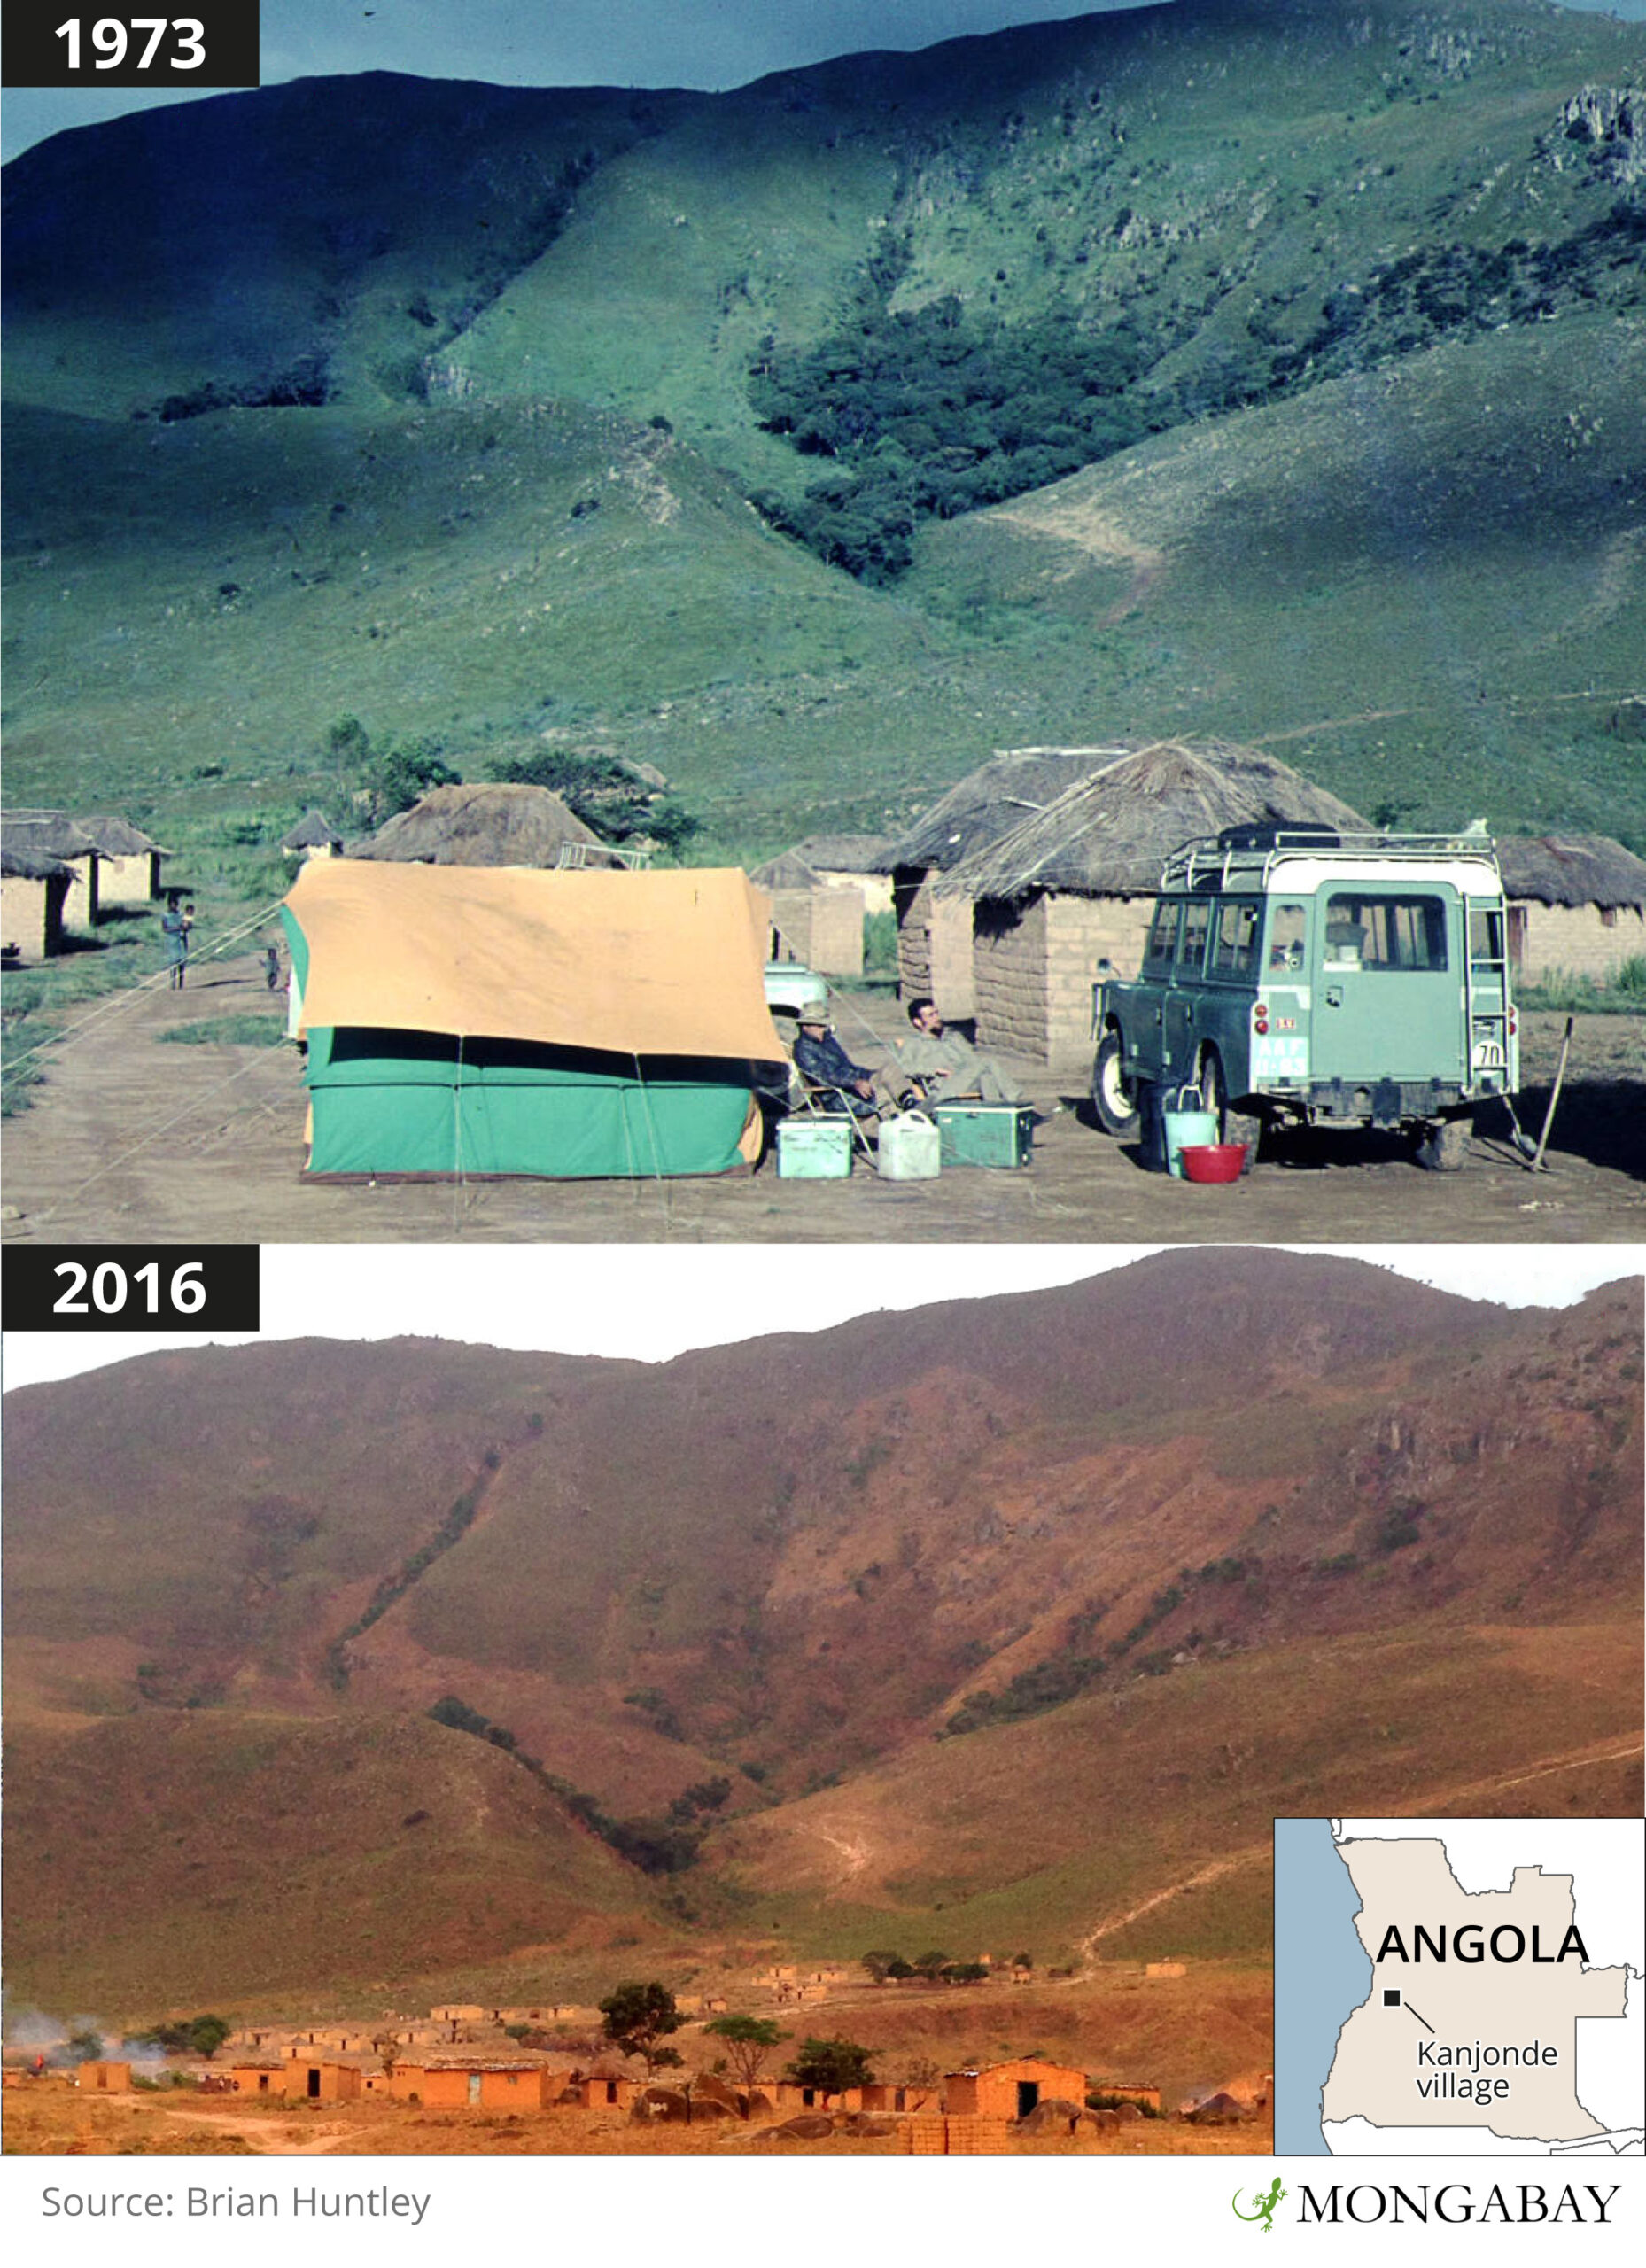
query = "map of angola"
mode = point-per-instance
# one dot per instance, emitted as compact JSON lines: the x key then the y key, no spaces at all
{"x":1497,"y":2001}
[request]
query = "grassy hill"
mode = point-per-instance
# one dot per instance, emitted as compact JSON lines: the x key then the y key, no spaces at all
{"x":1005,"y":1611}
{"x":449,"y":406}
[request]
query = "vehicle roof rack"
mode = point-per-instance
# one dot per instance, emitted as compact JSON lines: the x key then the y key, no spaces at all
{"x":1243,"y":856}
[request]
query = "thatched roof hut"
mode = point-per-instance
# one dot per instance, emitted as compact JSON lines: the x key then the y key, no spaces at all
{"x":933,"y":937}
{"x":1109,"y":834}
{"x":1577,"y":905}
{"x":491,"y":824}
{"x":33,"y":888}
{"x":53,"y":834}
{"x":128,"y":871}
{"x":1013,"y":785}
{"x":116,"y":838}
{"x":1572,"y":870}
{"x":1074,"y":882}
{"x":312,"y":838}
{"x":817,"y":916}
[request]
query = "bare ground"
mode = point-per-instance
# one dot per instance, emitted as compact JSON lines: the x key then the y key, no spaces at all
{"x":129,"y":1140}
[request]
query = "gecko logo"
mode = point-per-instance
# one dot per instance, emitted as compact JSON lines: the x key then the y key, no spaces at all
{"x":1265,"y":2201}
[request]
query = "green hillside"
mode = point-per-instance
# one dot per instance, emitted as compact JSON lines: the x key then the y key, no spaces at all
{"x":450,"y":408}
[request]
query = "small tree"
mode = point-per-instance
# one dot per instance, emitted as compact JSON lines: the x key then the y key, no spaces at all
{"x":636,"y":2018}
{"x":748,"y":2040}
{"x":85,"y":2047}
{"x":831,"y":2066}
{"x":930,"y":1965}
{"x":879,"y":1965}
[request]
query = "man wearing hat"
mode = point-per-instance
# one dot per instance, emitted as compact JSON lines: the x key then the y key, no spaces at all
{"x":822,"y":1061}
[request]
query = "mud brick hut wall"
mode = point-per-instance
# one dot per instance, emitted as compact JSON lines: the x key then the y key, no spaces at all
{"x":105,"y":2078}
{"x":31,"y":911}
{"x":821,"y":928}
{"x":993,"y":2092}
{"x":1033,"y":965}
{"x":933,"y":944}
{"x":1593,"y":941}
{"x":131,"y":881}
{"x":324,"y":2081}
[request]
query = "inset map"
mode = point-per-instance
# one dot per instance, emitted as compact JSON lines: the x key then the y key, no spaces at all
{"x":1460,"y":1986}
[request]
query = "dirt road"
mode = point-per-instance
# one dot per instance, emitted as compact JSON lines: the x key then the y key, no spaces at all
{"x":132,"y":1139}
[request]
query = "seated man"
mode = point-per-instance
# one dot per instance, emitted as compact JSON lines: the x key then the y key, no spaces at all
{"x":822,"y":1061}
{"x":947,"y":1065}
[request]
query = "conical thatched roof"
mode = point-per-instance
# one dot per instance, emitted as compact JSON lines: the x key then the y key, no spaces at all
{"x":788,"y":871}
{"x":491,"y":824}
{"x":1572,"y":870}
{"x":311,"y":831}
{"x":31,"y":865}
{"x":1109,"y":834}
{"x":1015,"y":784}
{"x":49,"y":835}
{"x":117,"y":838}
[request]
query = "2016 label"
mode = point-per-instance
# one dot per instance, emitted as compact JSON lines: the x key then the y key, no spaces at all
{"x":131,"y":1288}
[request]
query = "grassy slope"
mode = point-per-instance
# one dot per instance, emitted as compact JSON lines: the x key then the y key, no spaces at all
{"x":209,"y":1859}
{"x":1049,"y":1829}
{"x":1200,"y":171}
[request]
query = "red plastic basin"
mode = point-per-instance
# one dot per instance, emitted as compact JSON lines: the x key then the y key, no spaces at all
{"x":1213,"y":1160}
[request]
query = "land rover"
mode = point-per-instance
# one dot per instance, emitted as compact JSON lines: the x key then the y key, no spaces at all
{"x":1322,"y":978}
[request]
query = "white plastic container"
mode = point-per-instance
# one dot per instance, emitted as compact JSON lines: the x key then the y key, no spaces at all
{"x":1184,"y":1125}
{"x":910,"y":1147}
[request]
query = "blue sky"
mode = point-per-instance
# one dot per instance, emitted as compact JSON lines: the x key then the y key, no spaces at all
{"x":576,"y":42}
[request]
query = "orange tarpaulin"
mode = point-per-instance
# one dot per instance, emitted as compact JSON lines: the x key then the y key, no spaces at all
{"x":636,"y":964}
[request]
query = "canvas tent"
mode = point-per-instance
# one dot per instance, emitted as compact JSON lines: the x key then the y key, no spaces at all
{"x":505,"y":1021}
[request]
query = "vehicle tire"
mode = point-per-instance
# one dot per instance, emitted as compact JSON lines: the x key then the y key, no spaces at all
{"x":1113,"y":1097}
{"x":1444,"y":1147}
{"x":1232,"y":1125}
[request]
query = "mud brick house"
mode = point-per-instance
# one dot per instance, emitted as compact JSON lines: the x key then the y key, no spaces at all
{"x":325,"y":2079}
{"x":607,"y":2090}
{"x":53,"y":834}
{"x":1011,"y":2089}
{"x":105,"y":2078}
{"x":34,"y":890}
{"x":1577,"y":905}
{"x":128,"y":861}
{"x":488,"y":2083}
{"x":934,"y":933}
{"x":1074,"y":882}
{"x":814,"y":921}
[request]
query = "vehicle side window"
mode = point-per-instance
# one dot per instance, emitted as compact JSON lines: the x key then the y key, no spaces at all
{"x":1287,"y":935}
{"x":1157,"y":954}
{"x":1234,"y":939}
{"x":1197,"y":919}
{"x":1384,"y":933}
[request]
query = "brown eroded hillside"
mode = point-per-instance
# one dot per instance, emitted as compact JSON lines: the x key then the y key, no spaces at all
{"x":1027,"y":1604}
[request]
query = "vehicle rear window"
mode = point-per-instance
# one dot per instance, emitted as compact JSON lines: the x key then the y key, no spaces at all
{"x":1157,"y":954}
{"x":1384,"y":933}
{"x":1197,"y":919}
{"x":1234,"y":940}
{"x":1288,"y":934}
